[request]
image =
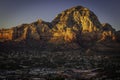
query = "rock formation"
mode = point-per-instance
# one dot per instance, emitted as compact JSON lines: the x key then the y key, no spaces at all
{"x":36,"y":31}
{"x":108,"y":32}
{"x":6,"y":34}
{"x":77,"y":24}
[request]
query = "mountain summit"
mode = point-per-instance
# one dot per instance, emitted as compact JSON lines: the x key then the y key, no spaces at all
{"x":77,"y":16}
{"x":76,"y":24}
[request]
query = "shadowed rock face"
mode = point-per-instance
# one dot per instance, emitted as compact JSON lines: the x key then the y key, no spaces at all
{"x":117,"y":34}
{"x":74,"y":24}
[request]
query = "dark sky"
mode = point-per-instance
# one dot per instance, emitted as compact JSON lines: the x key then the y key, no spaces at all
{"x":16,"y":12}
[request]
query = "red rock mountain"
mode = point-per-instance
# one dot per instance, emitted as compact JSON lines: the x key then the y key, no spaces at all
{"x":74,"y":24}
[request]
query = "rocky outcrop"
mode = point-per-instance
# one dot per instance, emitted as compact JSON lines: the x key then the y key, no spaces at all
{"x":6,"y":34}
{"x":108,"y":33}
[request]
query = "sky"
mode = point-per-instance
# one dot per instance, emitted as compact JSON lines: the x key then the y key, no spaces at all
{"x":17,"y":12}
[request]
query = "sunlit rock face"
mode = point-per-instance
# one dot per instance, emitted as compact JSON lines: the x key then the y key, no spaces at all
{"x":77,"y":16}
{"x":6,"y":34}
{"x":26,"y":31}
{"x":61,"y":36}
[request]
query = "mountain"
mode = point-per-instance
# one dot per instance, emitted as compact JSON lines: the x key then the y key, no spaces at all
{"x":81,"y":25}
{"x":76,"y":26}
{"x":117,"y":36}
